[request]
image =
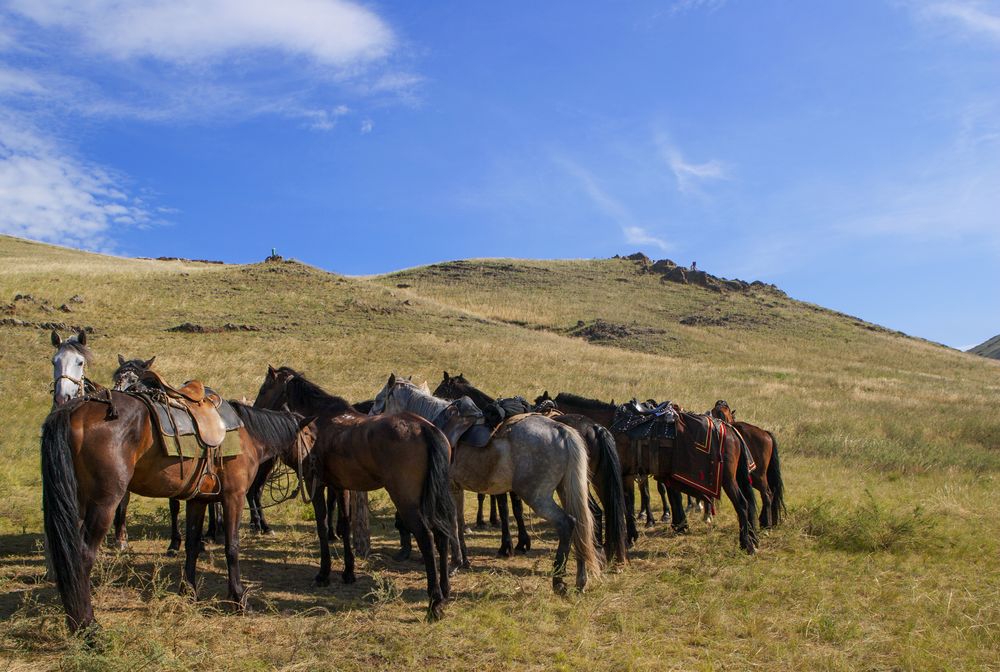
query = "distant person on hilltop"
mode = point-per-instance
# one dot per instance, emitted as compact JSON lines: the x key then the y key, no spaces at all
{"x":694,"y":265}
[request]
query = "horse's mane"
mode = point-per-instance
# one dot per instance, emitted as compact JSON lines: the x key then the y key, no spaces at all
{"x":584,"y":402}
{"x":275,"y":429}
{"x":307,"y":394}
{"x":422,"y":402}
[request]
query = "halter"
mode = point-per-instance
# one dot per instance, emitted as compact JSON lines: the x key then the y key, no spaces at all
{"x":81,"y":382}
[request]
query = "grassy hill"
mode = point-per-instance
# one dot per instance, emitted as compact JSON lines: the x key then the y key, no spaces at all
{"x":889,"y":559}
{"x":990,"y":348}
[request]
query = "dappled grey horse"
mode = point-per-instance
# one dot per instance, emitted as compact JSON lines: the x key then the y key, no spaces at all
{"x":529,"y":454}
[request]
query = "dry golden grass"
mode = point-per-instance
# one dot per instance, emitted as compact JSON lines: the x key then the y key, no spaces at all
{"x":889,"y":558}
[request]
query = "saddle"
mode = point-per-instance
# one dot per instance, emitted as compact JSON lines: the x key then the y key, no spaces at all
{"x":645,"y":421}
{"x":501,"y":409}
{"x":191,"y":409}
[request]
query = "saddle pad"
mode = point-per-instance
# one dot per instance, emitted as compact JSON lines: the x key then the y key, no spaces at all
{"x":695,"y":461}
{"x":190,"y":446}
{"x":173,"y":420}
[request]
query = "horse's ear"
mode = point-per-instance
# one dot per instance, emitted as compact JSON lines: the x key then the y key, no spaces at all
{"x":271,"y":373}
{"x":305,"y":422}
{"x":392,"y":380}
{"x":81,"y":337}
{"x":121,"y":360}
{"x":445,"y":373}
{"x":546,"y":394}
{"x":410,"y":378}
{"x":57,"y":341}
{"x":149,"y":362}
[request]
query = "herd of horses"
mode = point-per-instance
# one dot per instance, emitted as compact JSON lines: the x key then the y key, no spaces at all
{"x":426,"y":449}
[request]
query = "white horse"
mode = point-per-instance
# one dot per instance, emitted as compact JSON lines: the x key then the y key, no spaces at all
{"x":529,"y":454}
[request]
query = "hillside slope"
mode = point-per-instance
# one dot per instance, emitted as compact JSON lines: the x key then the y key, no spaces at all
{"x":890,"y":463}
{"x":989,"y":348}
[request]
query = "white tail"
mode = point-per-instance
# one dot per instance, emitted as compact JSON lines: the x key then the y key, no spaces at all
{"x":574,"y":490}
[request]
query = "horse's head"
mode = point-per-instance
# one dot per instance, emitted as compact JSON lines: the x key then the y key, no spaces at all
{"x":272,"y":393}
{"x":722,"y":411}
{"x":543,"y":398}
{"x":388,"y":399}
{"x":128,"y":372}
{"x":453,"y":387}
{"x":68,"y":366}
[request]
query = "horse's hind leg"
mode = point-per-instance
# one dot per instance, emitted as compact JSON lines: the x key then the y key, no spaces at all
{"x":344,"y":529}
{"x":595,"y":511}
{"x":494,"y":511}
{"x":232,"y":509}
{"x":331,"y":509}
{"x":547,"y":508}
{"x":319,"y":508}
{"x":678,"y":520}
{"x":215,"y":524}
{"x":175,"y":528}
{"x":194,"y":520}
{"x":441,"y":546}
{"x":661,"y":488}
{"x":121,"y":534}
{"x":423,"y":537}
{"x":506,"y":545}
{"x":460,"y":553}
{"x":523,"y":538}
{"x":760,"y":483}
{"x":740,"y":504}
{"x":405,"y":540}
{"x":644,"y":503}
{"x":480,"y":521}
{"x":631,"y":531}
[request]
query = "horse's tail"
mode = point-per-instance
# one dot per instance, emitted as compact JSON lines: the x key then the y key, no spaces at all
{"x":62,"y":518}
{"x":610,"y":469}
{"x":775,"y":482}
{"x":743,"y":478}
{"x":576,"y":495}
{"x":436,"y":507}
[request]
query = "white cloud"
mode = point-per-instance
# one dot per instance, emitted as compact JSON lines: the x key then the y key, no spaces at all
{"x":690,"y":176}
{"x":367,"y":125}
{"x":680,"y":6}
{"x":46,"y":194}
{"x":612,"y":207}
{"x":330,"y":32}
{"x":975,"y":17}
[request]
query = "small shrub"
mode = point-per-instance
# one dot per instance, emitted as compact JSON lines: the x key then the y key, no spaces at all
{"x":865,"y":527}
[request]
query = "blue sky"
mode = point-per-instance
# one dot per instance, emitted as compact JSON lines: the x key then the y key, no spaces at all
{"x":847,"y":151}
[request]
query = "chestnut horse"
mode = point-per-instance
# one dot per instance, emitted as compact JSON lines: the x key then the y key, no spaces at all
{"x":91,"y":458}
{"x":405,"y":454}
{"x":735,"y":474}
{"x":767,"y":474}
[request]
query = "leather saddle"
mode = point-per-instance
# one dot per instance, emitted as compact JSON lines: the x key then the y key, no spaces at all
{"x":645,"y":421}
{"x":192,"y":409}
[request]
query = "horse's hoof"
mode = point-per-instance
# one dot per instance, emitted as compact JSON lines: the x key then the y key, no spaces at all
{"x":505,"y":552}
{"x":681,"y":529}
{"x":322,"y":580}
{"x":402,"y":556}
{"x":435,"y":612}
{"x":494,"y":522}
{"x":467,"y":530}
{"x":348,"y":577}
{"x":559,"y":586}
{"x":480,"y":525}
{"x":650,"y":522}
{"x":665,"y":518}
{"x":171,"y":552}
{"x":523,"y":546}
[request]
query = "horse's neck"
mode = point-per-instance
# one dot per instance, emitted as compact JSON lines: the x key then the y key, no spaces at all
{"x":479,"y":398}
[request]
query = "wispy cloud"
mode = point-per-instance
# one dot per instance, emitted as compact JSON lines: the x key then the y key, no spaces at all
{"x":48,"y":194}
{"x":680,"y":6}
{"x":611,"y":207}
{"x":691,"y":176}
{"x":979,"y":18}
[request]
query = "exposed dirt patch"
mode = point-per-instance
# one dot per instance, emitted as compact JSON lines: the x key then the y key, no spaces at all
{"x":602,"y":330}
{"x":47,"y":326}
{"x":720,"y":320}
{"x":189,"y":328}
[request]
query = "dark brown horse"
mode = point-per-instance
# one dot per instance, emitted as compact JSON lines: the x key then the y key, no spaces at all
{"x":90,"y":459}
{"x":735,"y":474}
{"x":404,"y":454}
{"x":602,"y":462}
{"x":766,"y":475}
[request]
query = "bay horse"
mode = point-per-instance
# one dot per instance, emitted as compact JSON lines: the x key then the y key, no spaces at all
{"x":604,"y":468}
{"x":404,"y":454}
{"x":767,"y":473}
{"x":529,"y":454}
{"x":91,"y":458}
{"x":735,"y":474}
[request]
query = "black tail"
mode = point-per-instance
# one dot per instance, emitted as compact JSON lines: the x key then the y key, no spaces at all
{"x":613,"y":497}
{"x":744,"y":482}
{"x":776,"y":484}
{"x":62,"y":519}
{"x":436,"y":506}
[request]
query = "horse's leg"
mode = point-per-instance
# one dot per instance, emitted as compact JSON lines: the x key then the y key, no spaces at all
{"x":121,"y":534}
{"x":480,"y":521}
{"x":319,"y":508}
{"x":523,"y":538}
{"x":707,"y":510}
{"x":546,"y":507}
{"x":411,"y":518}
{"x":506,"y":545}
{"x":645,"y":503}
{"x":175,"y":528}
{"x":194,"y":520}
{"x":740,"y":504}
{"x":628,"y":487}
{"x":215,"y":524}
{"x":460,"y":553}
{"x":661,"y":488}
{"x":494,"y":511}
{"x":331,"y":509}
{"x":232,"y":509}
{"x":344,"y":530}
{"x":441,"y":546}
{"x":678,"y":519}
{"x":405,"y":543}
{"x":595,"y":511}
